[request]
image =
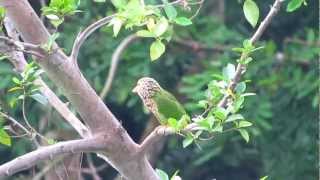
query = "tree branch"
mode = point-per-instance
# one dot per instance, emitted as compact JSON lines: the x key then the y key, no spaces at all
{"x":155,"y":136}
{"x":116,"y":56}
{"x":18,"y":60}
{"x":48,"y":152}
{"x":122,"y":150}
{"x":16,"y":123}
{"x":241,"y":67}
{"x":85,"y":34}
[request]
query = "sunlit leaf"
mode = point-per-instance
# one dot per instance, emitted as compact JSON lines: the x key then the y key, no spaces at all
{"x":5,"y":139}
{"x":244,"y":133}
{"x":183,"y":21}
{"x":251,"y":12}
{"x":162,"y":175}
{"x":294,"y":5}
{"x":157,"y":48}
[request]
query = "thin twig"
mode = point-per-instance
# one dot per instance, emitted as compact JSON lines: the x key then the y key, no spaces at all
{"x":241,"y":67}
{"x":23,"y":47}
{"x":15,"y":122}
{"x":85,"y":34}
{"x":116,"y":56}
{"x":198,"y":10}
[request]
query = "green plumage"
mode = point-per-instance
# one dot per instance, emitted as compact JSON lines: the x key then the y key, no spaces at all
{"x":168,"y":106}
{"x":160,"y":102}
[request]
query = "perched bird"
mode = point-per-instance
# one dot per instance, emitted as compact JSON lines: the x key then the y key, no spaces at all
{"x":158,"y":101}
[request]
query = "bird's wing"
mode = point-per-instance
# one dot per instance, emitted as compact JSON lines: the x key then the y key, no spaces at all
{"x":168,"y":106}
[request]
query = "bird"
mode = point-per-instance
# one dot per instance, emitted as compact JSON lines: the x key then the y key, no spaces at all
{"x":162,"y":104}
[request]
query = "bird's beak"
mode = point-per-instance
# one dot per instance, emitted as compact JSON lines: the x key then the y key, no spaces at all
{"x":135,"y":89}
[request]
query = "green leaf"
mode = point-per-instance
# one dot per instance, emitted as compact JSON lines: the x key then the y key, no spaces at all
{"x":264,"y":178}
{"x":57,"y":23}
{"x":187,"y":141}
{"x":203,"y":104}
{"x":145,"y":33}
{"x":240,"y":88}
{"x":169,"y":10}
{"x":51,"y":141}
{"x":229,"y":72}
{"x":175,"y":176}
{"x":5,"y":139}
{"x":116,"y":24}
{"x":15,"y":89}
{"x":294,"y":5}
{"x":99,"y":1}
{"x":244,"y":124}
{"x":3,"y":57}
{"x":52,"y":17}
{"x":234,"y":117}
{"x":182,"y":21}
{"x":162,"y":175}
{"x":220,"y":113}
{"x":16,"y":80}
{"x":157,"y":48}
{"x":119,"y":4}
{"x":251,"y":12}
{"x":161,"y":27}
{"x":248,"y":94}
{"x":49,"y":44}
{"x":2,"y":13}
{"x":40,"y":98}
{"x":244,"y":133}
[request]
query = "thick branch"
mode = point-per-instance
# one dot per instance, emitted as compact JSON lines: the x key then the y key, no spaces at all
{"x":48,"y":152}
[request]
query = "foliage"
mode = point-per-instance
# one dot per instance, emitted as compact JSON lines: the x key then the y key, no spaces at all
{"x":283,"y":112}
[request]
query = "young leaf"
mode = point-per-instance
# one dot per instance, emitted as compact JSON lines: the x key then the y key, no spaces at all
{"x":244,"y":133}
{"x":251,"y":12}
{"x":2,"y":13}
{"x":244,"y":124}
{"x":15,"y":89}
{"x":234,"y":117}
{"x":183,"y":21}
{"x":221,"y":113}
{"x":161,"y":27}
{"x":229,"y":72}
{"x":40,"y":98}
{"x":294,"y":4}
{"x":119,"y":4}
{"x":145,"y":33}
{"x":169,"y":10}
{"x":264,"y":178}
{"x":117,"y":24}
{"x":240,"y":88}
{"x":5,"y":138}
{"x":187,"y":141}
{"x":175,"y":176}
{"x":16,"y":80}
{"x":162,"y":175}
{"x":157,"y":48}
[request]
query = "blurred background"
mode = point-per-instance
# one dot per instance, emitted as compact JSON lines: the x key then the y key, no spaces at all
{"x":284,"y":75}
